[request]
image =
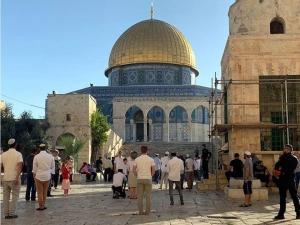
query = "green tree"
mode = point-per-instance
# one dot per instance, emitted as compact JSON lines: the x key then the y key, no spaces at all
{"x":7,"y":125}
{"x":72,"y":147}
{"x":99,"y":127}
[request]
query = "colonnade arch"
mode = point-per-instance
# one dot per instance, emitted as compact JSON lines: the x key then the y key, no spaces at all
{"x":166,"y":122}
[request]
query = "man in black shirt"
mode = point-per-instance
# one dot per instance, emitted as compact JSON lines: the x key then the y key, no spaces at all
{"x":235,"y":168}
{"x":205,"y":158}
{"x":99,"y":164}
{"x":261,"y":172}
{"x":288,"y":164}
{"x":30,"y":180}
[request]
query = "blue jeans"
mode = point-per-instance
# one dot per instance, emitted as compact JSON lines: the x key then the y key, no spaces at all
{"x":200,"y":173}
{"x":297,"y":179}
{"x":30,"y":188}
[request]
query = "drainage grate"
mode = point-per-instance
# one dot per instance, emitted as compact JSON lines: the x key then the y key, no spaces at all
{"x":223,"y":217}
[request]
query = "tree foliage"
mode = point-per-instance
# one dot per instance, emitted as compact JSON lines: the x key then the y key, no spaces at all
{"x":28,"y":132}
{"x":72,"y":145}
{"x":99,"y":127}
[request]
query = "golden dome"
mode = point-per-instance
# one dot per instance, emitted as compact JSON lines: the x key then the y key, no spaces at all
{"x":152,"y":41}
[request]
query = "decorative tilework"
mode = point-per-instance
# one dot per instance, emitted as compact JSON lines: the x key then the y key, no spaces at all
{"x":115,"y":79}
{"x":158,"y":132}
{"x":186,"y":133}
{"x":150,"y":76}
{"x":172,"y":132}
{"x":169,"y":77}
{"x":159,"y":76}
{"x":132,"y":77}
{"x":128,"y":135}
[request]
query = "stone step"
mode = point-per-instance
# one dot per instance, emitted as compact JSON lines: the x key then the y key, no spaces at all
{"x":238,"y":183}
{"x":234,"y":193}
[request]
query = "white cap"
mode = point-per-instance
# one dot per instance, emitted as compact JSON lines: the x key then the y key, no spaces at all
{"x":11,"y":141}
{"x":42,"y":145}
{"x":247,"y":153}
{"x":167,"y":153}
{"x":188,"y":155}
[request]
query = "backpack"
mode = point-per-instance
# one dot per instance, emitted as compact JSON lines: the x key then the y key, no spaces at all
{"x":57,"y":166}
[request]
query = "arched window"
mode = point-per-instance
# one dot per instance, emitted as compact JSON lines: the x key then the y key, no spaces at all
{"x":277,"y":26}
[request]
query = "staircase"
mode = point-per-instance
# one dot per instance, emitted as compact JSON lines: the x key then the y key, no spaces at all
{"x":210,"y":184}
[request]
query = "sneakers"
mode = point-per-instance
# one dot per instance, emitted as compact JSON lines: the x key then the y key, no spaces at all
{"x":279,"y":217}
{"x":11,"y":217}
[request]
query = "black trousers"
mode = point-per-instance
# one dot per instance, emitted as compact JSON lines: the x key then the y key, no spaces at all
{"x":94,"y":174}
{"x":120,"y":190}
{"x":290,"y":186}
{"x":107,"y":174}
{"x":205,"y":169}
{"x":55,"y":178}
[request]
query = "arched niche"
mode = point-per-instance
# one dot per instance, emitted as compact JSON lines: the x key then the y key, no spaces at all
{"x":157,"y":115}
{"x":178,"y":115}
{"x":200,"y":115}
{"x":277,"y":26}
{"x":131,"y":113}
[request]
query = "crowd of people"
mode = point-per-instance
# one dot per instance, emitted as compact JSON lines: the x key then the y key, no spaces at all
{"x":139,"y":173}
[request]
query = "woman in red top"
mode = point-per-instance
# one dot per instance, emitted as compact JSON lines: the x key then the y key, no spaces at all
{"x":65,"y":172}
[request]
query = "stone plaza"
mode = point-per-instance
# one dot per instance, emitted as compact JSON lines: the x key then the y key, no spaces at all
{"x":92,"y":203}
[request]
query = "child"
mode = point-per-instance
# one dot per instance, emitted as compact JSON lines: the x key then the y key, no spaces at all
{"x":65,"y":171}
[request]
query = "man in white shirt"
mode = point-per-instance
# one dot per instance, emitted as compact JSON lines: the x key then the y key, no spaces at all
{"x":118,"y":161}
{"x":164,"y":173}
{"x":11,"y":161}
{"x":175,"y":167}
{"x":200,"y":168}
{"x":118,"y":179}
{"x":43,"y":165}
{"x":144,"y":169}
{"x":189,"y":171}
{"x":157,"y":168}
{"x":107,"y":166}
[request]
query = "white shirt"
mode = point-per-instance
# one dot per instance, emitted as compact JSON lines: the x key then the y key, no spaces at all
{"x":175,"y":167}
{"x":199,"y":161}
{"x":189,"y":165}
{"x":125,"y":168}
{"x":164,"y":162}
{"x":43,"y":165}
{"x":129,"y":159}
{"x":143,"y":165}
{"x":118,"y":179}
{"x":195,"y":165}
{"x":10,"y":160}
{"x":118,"y":162}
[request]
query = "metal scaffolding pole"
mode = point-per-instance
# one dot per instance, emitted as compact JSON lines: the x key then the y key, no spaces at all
{"x":287,"y":111}
{"x":216,"y":133}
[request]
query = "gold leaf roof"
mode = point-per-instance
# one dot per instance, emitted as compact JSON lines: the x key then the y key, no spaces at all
{"x":152,"y":41}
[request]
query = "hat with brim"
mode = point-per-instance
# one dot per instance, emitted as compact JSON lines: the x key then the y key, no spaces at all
{"x":247,"y":153}
{"x":42,"y":145}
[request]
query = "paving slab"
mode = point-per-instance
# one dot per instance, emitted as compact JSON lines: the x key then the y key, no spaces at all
{"x":92,"y":204}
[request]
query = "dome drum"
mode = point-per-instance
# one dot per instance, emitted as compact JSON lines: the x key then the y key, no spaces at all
{"x":151,"y":74}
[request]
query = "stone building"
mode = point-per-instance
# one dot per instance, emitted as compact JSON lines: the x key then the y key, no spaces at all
{"x":261,"y":78}
{"x":151,"y":95}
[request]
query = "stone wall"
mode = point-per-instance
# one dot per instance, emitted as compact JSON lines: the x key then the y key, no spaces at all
{"x":71,"y":114}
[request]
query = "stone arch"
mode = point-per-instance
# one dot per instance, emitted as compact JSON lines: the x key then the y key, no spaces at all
{"x":200,"y":115}
{"x":157,"y":118}
{"x":277,"y":26}
{"x":178,"y":115}
{"x":134,"y":125}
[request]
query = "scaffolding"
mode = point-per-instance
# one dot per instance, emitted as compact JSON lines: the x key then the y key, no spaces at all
{"x":276,"y":109}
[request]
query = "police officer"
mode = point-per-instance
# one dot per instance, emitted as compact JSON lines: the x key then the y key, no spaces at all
{"x":288,"y":164}
{"x":205,"y":158}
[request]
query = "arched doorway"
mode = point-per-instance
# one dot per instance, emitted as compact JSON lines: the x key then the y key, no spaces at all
{"x":61,"y":149}
{"x":134,"y":125}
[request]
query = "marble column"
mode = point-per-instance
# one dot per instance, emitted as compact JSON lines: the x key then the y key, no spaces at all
{"x":167,"y":128}
{"x":145,"y":130}
{"x":190,"y":129}
{"x":151,"y":135}
{"x":132,"y":139}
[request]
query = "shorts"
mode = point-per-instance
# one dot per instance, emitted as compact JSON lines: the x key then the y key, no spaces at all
{"x":247,"y":187}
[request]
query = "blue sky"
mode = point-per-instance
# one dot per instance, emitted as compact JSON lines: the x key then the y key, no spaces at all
{"x":65,"y":45}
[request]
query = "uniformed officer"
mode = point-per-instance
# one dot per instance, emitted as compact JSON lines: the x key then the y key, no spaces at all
{"x":205,"y":158}
{"x":288,"y":163}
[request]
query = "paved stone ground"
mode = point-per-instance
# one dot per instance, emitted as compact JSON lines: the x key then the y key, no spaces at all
{"x":92,"y":203}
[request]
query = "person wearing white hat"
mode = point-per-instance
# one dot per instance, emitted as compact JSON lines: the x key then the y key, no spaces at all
{"x":43,"y":165}
{"x":11,"y":161}
{"x":248,"y":178}
{"x":164,"y":172}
